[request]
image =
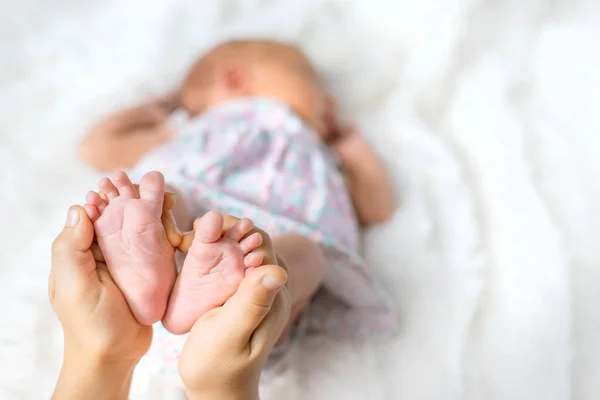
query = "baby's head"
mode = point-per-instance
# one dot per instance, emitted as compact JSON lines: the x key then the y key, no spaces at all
{"x":257,"y":68}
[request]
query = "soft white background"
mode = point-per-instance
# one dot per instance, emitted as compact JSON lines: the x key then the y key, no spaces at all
{"x":488,"y":113}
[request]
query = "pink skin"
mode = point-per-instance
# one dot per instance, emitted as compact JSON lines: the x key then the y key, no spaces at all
{"x":133,"y":241}
{"x":215,"y":266}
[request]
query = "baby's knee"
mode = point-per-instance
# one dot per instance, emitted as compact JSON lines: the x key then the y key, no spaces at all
{"x":297,"y":248}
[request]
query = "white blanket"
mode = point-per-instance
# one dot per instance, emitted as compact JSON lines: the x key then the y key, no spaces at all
{"x":487,"y":112}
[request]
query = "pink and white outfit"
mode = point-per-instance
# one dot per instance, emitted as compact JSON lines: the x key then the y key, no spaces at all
{"x":254,"y":157}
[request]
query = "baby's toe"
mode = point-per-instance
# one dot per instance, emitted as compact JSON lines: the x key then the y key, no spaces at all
{"x":152,"y":187}
{"x":251,"y":242}
{"x":240,"y":229}
{"x":254,"y":259}
{"x":92,"y":212}
{"x":123,"y":183}
{"x":96,"y":200}
{"x":208,"y":229}
{"x":109,"y":189}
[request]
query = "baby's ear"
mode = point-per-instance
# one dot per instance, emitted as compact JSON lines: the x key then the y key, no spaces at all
{"x":235,"y":78}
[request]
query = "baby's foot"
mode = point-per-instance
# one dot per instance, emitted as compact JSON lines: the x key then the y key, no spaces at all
{"x":214,"y":267}
{"x":133,"y":242}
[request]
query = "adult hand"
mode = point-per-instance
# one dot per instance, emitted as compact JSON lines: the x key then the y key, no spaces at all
{"x":102,"y":340}
{"x":227,"y":347}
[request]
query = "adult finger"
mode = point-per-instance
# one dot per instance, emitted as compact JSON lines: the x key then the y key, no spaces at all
{"x":174,"y":236}
{"x":71,"y":255}
{"x":98,"y":256}
{"x":249,"y":306}
{"x":51,"y":287}
{"x":268,"y":332}
{"x":168,"y":201}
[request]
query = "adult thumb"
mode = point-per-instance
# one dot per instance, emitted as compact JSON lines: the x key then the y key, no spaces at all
{"x":249,"y":306}
{"x":71,"y":254}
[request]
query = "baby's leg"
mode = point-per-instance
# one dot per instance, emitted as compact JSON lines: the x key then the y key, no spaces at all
{"x":306,"y":266}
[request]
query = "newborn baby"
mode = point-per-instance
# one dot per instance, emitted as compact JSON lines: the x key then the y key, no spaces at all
{"x":262,"y":140}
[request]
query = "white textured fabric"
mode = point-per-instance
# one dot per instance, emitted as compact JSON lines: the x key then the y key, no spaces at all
{"x":486,"y":111}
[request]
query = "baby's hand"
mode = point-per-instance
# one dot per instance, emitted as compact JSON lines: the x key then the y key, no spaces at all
{"x":348,"y":142}
{"x":155,"y":113}
{"x":167,"y":103}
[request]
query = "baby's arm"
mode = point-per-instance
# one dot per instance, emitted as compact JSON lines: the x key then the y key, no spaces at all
{"x":120,"y":140}
{"x":367,"y":179}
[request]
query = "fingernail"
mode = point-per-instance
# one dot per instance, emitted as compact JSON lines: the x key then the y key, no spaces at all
{"x":72,"y":217}
{"x":271,"y":282}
